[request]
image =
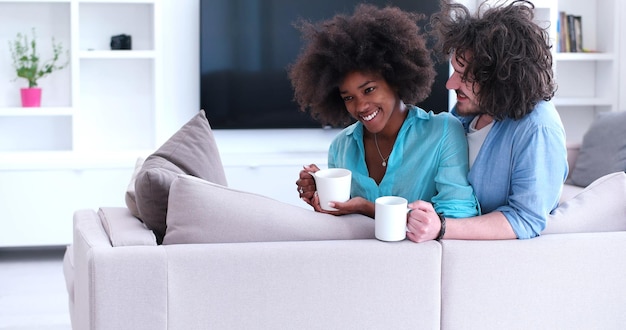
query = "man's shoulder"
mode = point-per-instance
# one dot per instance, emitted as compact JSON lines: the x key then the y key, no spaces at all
{"x":543,"y":115}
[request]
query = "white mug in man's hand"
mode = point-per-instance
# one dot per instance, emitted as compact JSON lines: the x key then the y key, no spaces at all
{"x":390,"y":218}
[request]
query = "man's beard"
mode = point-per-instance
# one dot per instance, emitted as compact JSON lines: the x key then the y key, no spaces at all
{"x":467,"y":108}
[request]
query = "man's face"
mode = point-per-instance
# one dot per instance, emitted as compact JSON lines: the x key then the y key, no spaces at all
{"x":467,"y":103}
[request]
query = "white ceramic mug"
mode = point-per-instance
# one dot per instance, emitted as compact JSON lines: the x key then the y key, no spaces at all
{"x":333,"y":185}
{"x":390,"y":218}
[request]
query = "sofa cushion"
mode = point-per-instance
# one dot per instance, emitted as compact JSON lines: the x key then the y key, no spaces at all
{"x":203,"y":212}
{"x":569,"y":191}
{"x":129,"y":197}
{"x":603,"y":150}
{"x":600,"y":207}
{"x":191,"y":150}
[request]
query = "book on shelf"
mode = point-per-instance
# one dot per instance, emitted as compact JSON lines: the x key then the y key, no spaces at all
{"x":569,"y":33}
{"x":578,"y":33}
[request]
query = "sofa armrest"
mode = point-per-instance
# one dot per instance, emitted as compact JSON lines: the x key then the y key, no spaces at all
{"x":124,"y":229}
{"x":112,"y":283}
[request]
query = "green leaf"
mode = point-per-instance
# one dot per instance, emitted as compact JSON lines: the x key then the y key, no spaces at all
{"x":26,"y":60}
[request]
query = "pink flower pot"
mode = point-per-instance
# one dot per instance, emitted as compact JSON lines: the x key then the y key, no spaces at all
{"x":31,"y":97}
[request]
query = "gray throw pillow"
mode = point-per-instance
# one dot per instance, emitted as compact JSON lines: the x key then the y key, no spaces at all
{"x":191,"y":150}
{"x":203,"y":212}
{"x":603,"y":150}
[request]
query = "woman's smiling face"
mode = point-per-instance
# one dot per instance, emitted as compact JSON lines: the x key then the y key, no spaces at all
{"x":369,"y":99}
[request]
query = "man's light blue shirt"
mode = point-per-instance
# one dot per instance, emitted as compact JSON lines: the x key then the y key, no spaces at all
{"x":428,"y":162}
{"x":521,"y":167}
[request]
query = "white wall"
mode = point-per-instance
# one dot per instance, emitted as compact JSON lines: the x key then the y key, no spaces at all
{"x":181,"y":62}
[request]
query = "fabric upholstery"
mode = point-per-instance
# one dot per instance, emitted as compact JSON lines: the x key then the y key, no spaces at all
{"x":68,"y":274}
{"x":572,"y":281}
{"x":345,"y":284}
{"x":599,"y":207}
{"x":603,"y":150}
{"x":568,"y":281}
{"x":116,"y":287}
{"x":203,"y":212}
{"x":191,"y":150}
{"x":123,"y":228}
{"x":129,"y":197}
{"x":569,"y":191}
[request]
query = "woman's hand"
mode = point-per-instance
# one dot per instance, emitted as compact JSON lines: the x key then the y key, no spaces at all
{"x":422,"y":222}
{"x":354,"y":205}
{"x":306,"y":184}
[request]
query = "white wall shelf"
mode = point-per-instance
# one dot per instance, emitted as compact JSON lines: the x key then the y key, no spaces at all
{"x":97,"y":115}
{"x":584,"y":57}
{"x":69,"y":160}
{"x":117,"y":54}
{"x":45,"y":111}
{"x":588,"y":82}
{"x":580,"y":101}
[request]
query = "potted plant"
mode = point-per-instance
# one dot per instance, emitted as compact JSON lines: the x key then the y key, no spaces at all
{"x":28,"y":65}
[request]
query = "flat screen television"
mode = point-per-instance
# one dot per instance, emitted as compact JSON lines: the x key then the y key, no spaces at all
{"x":246,"y":47}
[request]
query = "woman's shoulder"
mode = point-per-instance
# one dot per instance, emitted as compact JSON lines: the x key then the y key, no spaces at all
{"x":440,"y":119}
{"x":350,"y":132}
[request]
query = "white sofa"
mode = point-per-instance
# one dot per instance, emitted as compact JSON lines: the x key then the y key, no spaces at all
{"x":572,"y":277}
{"x":118,"y":278}
{"x":234,"y":260}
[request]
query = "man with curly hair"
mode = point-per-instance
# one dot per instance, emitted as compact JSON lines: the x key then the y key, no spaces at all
{"x":503,"y":80}
{"x":371,"y":67}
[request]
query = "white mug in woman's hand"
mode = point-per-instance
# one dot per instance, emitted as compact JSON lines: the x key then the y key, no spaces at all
{"x":333,"y":185}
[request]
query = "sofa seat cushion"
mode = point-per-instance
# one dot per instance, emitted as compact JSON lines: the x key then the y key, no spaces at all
{"x":603,"y":150}
{"x":600,"y":207}
{"x":203,"y":212}
{"x":191,"y":150}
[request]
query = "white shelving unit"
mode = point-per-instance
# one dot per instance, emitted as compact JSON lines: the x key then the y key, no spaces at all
{"x":97,"y":116}
{"x":588,"y":83}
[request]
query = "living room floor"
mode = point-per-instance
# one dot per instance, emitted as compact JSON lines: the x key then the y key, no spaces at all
{"x":32,"y":289}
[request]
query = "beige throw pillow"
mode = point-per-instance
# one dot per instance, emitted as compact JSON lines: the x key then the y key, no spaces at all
{"x":129,"y":197}
{"x":600,"y":207}
{"x":204,"y":212}
{"x":191,"y":150}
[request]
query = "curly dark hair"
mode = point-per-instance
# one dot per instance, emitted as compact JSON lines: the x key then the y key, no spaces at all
{"x":511,"y":58}
{"x":385,"y":41}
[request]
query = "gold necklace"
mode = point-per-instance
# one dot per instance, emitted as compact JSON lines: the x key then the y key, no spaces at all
{"x":379,"y":153}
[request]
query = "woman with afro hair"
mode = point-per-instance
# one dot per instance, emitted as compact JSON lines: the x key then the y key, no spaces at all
{"x":367,"y":70}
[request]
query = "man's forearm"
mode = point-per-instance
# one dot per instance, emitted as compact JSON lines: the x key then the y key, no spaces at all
{"x":493,"y":225}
